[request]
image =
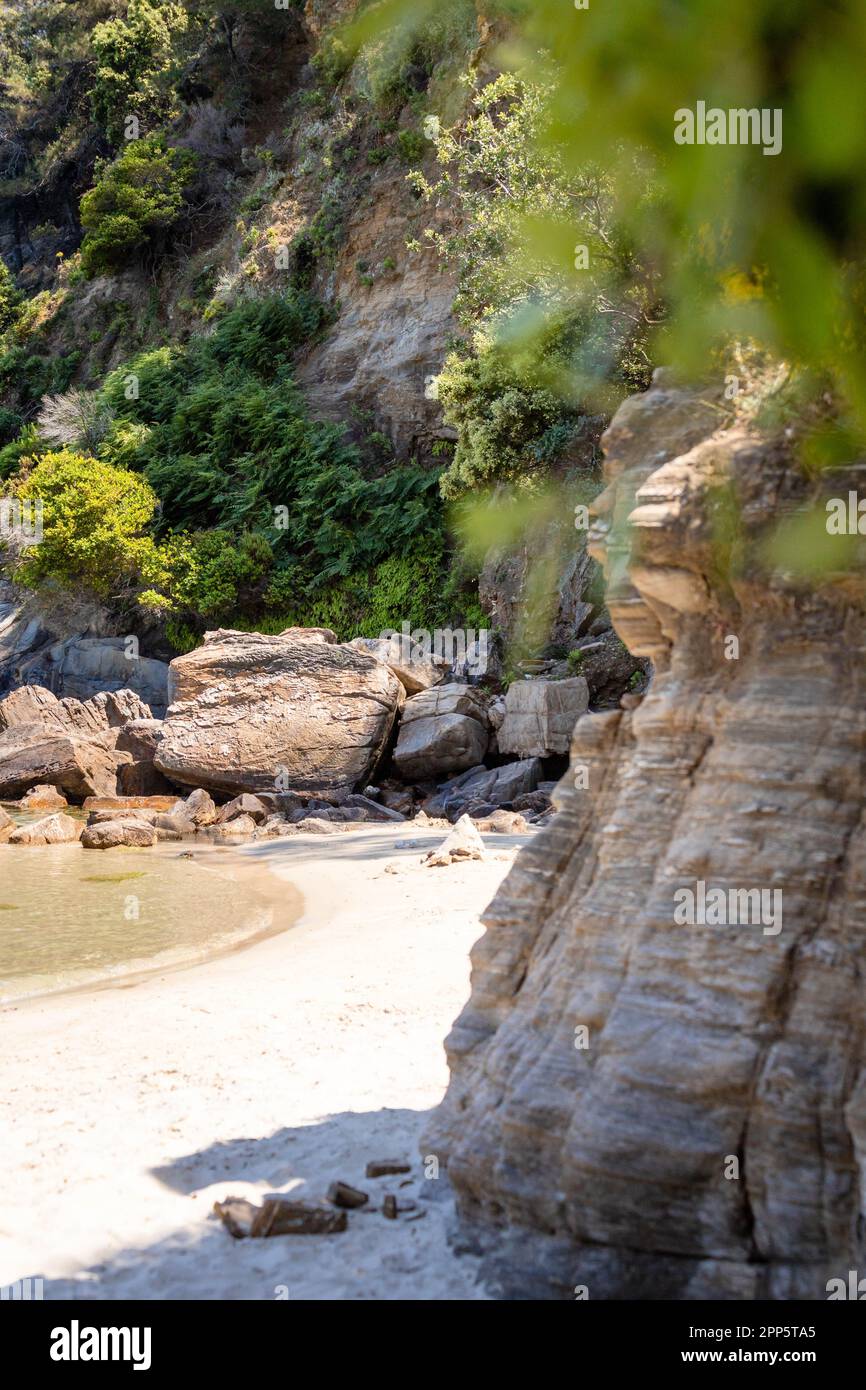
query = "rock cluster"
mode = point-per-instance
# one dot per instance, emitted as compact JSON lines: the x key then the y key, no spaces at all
{"x":69,"y":744}
{"x":280,"y":734}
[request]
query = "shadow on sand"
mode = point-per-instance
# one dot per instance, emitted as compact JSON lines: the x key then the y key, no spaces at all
{"x":373,"y":1259}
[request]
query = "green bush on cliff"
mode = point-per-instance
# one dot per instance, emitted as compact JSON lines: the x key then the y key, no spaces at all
{"x":502,"y":416}
{"x":222,"y":435}
{"x":209,"y":574}
{"x":133,"y":54}
{"x":25,"y":444}
{"x":26,"y":377}
{"x":550,"y":346}
{"x":95,"y":520}
{"x":218,"y":426}
{"x":133,"y":203}
{"x":10,"y":297}
{"x":404,"y":587}
{"x":749,"y":237}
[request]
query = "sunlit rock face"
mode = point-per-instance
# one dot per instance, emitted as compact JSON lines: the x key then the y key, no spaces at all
{"x":639,"y":1106}
{"x":254,"y":713}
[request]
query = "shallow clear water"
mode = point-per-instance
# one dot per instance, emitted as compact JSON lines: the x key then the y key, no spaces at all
{"x":69,"y":917}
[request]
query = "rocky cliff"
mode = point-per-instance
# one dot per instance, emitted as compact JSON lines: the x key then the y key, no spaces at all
{"x":640,"y":1107}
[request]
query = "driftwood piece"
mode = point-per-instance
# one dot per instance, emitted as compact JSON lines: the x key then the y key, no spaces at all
{"x":384,"y":1167}
{"x":342,"y":1194}
{"x":278,"y":1216}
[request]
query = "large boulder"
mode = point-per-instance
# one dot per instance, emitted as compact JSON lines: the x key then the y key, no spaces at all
{"x":652,"y":1095}
{"x":428,"y":747}
{"x":30,"y":755}
{"x":53,"y":830}
{"x":443,"y":729}
{"x":540,"y":716}
{"x":256,"y":713}
{"x":7,"y":826}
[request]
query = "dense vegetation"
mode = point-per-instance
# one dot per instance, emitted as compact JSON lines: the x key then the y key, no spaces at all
{"x":242,"y":508}
{"x":586,"y":246}
{"x":540,"y":353}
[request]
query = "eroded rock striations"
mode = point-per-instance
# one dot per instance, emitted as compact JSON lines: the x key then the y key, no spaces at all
{"x":705,"y":1136}
{"x":249,"y":711}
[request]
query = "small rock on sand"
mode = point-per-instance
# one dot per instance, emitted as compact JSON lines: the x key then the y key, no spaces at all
{"x":43,"y":799}
{"x":132,"y":834}
{"x":314,"y":826}
{"x":342,"y":1194}
{"x":464,"y":842}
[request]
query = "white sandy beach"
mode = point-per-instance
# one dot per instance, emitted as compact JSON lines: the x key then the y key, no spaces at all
{"x":127,"y":1111}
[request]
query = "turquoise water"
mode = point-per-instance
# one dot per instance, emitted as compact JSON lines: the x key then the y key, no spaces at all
{"x":71,"y":917}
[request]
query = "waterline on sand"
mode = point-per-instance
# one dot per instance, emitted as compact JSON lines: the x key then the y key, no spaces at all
{"x":72,"y":920}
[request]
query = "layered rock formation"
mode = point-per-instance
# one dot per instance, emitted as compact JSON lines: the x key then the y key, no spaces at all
{"x":77,"y":746}
{"x":81,"y":667}
{"x":640,"y":1107}
{"x":77,"y":667}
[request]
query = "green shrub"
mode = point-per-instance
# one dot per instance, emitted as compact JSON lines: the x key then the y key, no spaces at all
{"x":28,"y":376}
{"x":411,"y":146}
{"x":420,"y":585}
{"x":11,"y":423}
{"x":209,"y":573}
{"x":95,"y":519}
{"x":134,"y":201}
{"x":511,"y":419}
{"x":181,"y":636}
{"x":10,"y":297}
{"x":331,"y":61}
{"x":222,"y":434}
{"x":24,"y":445}
{"x":131,"y":55}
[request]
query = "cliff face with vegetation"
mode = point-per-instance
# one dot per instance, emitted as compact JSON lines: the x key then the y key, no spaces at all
{"x":250,"y":273}
{"x":244,"y":262}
